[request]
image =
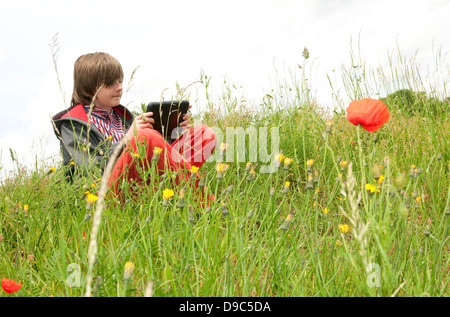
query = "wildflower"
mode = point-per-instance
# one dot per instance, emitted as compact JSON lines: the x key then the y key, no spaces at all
{"x":325,"y":210}
{"x":343,"y":165}
{"x":248,"y":166}
{"x":413,"y":171}
{"x":221,"y":168}
{"x":371,"y":114}
{"x":72,"y":163}
{"x":91,"y":198}
{"x":128,"y":271}
{"x":286,"y":223}
{"x":191,"y":216}
{"x":194,"y":170}
{"x":353,"y":143}
{"x":338,"y":243}
{"x":25,"y":207}
{"x":10,"y":286}
{"x":181,"y":204}
{"x":286,"y":187}
{"x":380,"y":179}
{"x":309,"y":164}
{"x":51,"y":170}
{"x":167,"y":194}
{"x":136,"y":155}
{"x":417,"y":200}
{"x":316,"y":177}
{"x":344,"y":228}
{"x":309,"y":183}
{"x":156,"y":153}
{"x":287,"y":162}
{"x":372,"y":188}
{"x":224,"y":209}
{"x":315,"y":204}
{"x":279,"y":158}
{"x":251,"y":175}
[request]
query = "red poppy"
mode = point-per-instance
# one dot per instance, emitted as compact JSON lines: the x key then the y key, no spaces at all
{"x":10,"y":286}
{"x":371,"y":114}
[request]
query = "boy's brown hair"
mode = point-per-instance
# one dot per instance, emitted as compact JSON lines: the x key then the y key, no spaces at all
{"x":92,"y":71}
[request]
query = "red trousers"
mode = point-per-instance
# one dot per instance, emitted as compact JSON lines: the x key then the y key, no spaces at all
{"x":191,"y":149}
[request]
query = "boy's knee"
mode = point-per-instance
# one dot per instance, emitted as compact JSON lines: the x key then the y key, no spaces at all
{"x":150,"y":137}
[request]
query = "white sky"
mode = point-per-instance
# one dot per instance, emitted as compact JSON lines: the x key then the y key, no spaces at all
{"x":170,"y":41}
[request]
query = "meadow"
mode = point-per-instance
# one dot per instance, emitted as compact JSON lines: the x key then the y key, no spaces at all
{"x":345,"y":213}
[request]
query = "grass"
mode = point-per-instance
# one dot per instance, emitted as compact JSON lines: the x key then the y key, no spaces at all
{"x":260,"y":237}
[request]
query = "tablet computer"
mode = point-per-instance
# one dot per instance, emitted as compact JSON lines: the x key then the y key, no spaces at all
{"x":168,"y":115}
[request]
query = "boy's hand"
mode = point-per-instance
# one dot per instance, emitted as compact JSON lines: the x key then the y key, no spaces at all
{"x":144,"y":121}
{"x":186,"y":123}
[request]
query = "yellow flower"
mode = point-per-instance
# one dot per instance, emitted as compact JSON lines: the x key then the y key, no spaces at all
{"x":167,"y":194}
{"x":91,"y":198}
{"x":287,"y":184}
{"x":288,"y":160}
{"x":128,"y":272}
{"x":380,"y":180}
{"x":52,"y":169}
{"x":315,"y":204}
{"x":343,"y":164}
{"x":344,"y":228}
{"x":25,"y":207}
{"x":329,"y":123}
{"x":310,"y":162}
{"x":194,"y":169}
{"x":279,"y":157}
{"x":325,"y":210}
{"x":338,"y":243}
{"x":72,"y":163}
{"x":157,"y":150}
{"x":221,"y":167}
{"x":289,"y":217}
{"x":418,"y":199}
{"x":372,"y":188}
{"x":136,"y":155}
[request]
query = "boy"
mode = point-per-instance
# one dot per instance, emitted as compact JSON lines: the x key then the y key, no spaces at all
{"x":89,"y":135}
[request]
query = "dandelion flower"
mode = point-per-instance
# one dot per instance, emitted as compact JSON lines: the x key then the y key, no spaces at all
{"x":224,"y":146}
{"x":91,"y":198}
{"x":343,"y":165}
{"x":418,"y":199}
{"x":156,"y":153}
{"x":325,"y":210}
{"x":279,"y":157}
{"x":344,"y":228}
{"x":52,"y":170}
{"x":338,"y":243}
{"x":221,"y":168}
{"x":25,"y":207}
{"x":136,"y":155}
{"x":287,"y":162}
{"x":128,"y":271}
{"x":167,"y":194}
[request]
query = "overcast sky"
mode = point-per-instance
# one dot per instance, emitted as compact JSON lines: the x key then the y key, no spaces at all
{"x":172,"y":41}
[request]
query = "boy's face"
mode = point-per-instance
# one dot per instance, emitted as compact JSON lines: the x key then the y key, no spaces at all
{"x":109,"y":97}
